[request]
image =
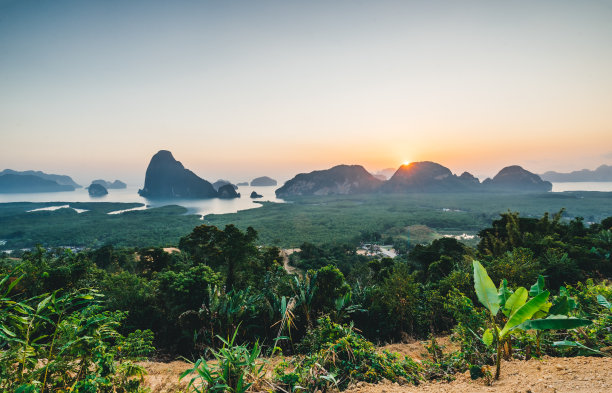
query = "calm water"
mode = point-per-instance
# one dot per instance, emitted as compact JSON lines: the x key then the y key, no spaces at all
{"x":582,"y":186}
{"x":215,"y":205}
{"x":130,"y":194}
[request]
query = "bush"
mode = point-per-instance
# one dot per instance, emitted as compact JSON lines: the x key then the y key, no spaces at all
{"x":339,"y":356}
{"x":61,"y":342}
{"x":235,"y":369}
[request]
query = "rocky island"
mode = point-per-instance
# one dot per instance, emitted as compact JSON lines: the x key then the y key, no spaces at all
{"x":427,"y":176}
{"x":227,"y":191}
{"x":168,"y":178}
{"x":341,"y":179}
{"x":602,"y":173}
{"x":263,"y":181}
{"x":416,"y":177}
{"x":62,"y":180}
{"x":516,"y":179}
{"x":116,"y":185}
{"x":97,"y":190}
{"x":11,"y":183}
{"x":221,"y":182}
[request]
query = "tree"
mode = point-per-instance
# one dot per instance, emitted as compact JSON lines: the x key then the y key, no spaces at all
{"x":229,"y":250}
{"x":330,"y":285}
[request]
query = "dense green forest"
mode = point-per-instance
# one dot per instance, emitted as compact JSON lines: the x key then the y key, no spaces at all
{"x":315,"y":220}
{"x":224,"y":296}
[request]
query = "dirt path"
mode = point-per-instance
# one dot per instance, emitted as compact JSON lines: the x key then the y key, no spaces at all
{"x":549,"y":375}
{"x":288,"y":268}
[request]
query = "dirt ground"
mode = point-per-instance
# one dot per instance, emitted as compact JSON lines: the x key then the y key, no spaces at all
{"x":549,"y":375}
{"x":164,"y":377}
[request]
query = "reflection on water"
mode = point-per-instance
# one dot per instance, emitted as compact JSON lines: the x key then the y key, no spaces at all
{"x":128,"y":210}
{"x":52,"y":208}
{"x":130,"y":195}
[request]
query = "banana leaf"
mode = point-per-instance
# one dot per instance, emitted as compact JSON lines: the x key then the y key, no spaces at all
{"x":485,"y":289}
{"x":524,"y":313}
{"x":604,"y":302}
{"x":554,"y":322}
{"x":504,"y":292}
{"x":538,"y":287}
{"x":515,"y":301}
{"x":567,"y":343}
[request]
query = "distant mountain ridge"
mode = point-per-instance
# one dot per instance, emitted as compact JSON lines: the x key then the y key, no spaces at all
{"x":117,"y":184}
{"x":417,"y":177}
{"x":59,"y":179}
{"x":602,"y":173}
{"x":14,"y":184}
{"x":263,"y":181}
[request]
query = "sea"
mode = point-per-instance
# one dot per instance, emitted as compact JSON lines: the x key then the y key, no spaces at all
{"x":583,"y":186}
{"x":130,"y":194}
{"x":215,"y":205}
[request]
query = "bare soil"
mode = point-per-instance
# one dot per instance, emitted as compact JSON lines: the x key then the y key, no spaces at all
{"x":548,"y":375}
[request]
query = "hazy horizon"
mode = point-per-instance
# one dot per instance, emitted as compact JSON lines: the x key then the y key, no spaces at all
{"x":137,"y":178}
{"x":243,"y":89}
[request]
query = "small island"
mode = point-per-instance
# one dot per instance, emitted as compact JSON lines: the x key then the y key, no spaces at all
{"x":97,"y":190}
{"x":228,"y":191}
{"x":221,"y":182}
{"x":255,"y":195}
{"x":116,"y":185}
{"x":263,"y":181}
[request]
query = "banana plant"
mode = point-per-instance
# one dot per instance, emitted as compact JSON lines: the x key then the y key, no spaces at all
{"x":520,"y":311}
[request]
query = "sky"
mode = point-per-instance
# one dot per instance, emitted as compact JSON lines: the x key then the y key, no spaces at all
{"x":237,"y":89}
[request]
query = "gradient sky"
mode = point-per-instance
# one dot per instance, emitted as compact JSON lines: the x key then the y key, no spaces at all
{"x":237,"y":89}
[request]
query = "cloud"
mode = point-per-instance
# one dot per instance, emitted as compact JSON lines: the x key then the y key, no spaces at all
{"x":607,"y":155}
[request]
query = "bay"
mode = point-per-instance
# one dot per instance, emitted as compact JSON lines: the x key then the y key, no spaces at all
{"x":216,"y":205}
{"x":582,"y":186}
{"x":130,"y":194}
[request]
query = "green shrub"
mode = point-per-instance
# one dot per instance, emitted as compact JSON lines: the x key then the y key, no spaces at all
{"x":60,"y":342}
{"x":235,"y":369}
{"x":339,"y":357}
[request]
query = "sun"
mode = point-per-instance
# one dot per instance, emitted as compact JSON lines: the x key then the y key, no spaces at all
{"x":406,"y":162}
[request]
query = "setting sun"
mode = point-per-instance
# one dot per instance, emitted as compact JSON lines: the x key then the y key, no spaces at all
{"x":406,"y":162}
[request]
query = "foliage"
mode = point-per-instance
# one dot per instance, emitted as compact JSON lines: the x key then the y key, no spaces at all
{"x":393,"y":304}
{"x":234,"y":371}
{"x":592,"y":302}
{"x":188,"y":298}
{"x":518,"y":310}
{"x":62,"y":341}
{"x":442,"y":366}
{"x":306,"y":219}
{"x":469,"y":328}
{"x":338,"y":356}
{"x":229,"y":251}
